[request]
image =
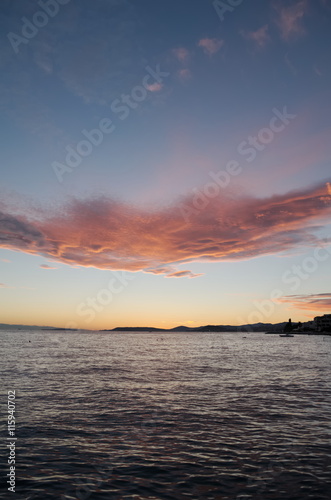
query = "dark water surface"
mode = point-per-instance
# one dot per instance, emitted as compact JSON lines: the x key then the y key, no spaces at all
{"x":168,"y":416}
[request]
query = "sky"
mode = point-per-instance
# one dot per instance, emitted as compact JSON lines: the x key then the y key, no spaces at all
{"x":164,"y":163}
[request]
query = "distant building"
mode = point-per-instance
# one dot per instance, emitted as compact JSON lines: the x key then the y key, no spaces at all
{"x":323,"y":323}
{"x":308,"y":325}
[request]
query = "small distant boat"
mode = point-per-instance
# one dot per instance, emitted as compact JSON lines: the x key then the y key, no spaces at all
{"x":286,"y":335}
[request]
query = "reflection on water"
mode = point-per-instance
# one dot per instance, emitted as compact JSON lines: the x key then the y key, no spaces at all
{"x":169,"y":416}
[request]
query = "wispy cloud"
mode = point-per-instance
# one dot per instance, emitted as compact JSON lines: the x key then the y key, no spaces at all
{"x":107,"y":234}
{"x":181,"y":54}
{"x":94,"y":53}
{"x":2,"y":285}
{"x":260,"y":37}
{"x":154,"y":87}
{"x":184,"y":74}
{"x":210,"y":46}
{"x":183,"y":274}
{"x":319,"y":302}
{"x":160,"y":270}
{"x":46,"y":266}
{"x":290,"y":19}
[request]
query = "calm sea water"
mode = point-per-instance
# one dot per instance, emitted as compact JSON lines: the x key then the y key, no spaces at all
{"x":168,"y":416}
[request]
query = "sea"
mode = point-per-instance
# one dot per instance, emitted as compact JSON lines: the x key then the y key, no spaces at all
{"x":102,"y":415}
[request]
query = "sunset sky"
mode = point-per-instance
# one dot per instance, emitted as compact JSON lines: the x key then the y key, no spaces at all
{"x":164,"y":163}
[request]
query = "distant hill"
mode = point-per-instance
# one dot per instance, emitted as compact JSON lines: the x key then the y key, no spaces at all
{"x":133,"y":329}
{"x":256,"y":327}
{"x":4,"y":326}
{"x":182,"y":329}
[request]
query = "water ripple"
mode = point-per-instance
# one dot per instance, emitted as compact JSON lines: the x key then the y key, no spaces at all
{"x":135,"y":416}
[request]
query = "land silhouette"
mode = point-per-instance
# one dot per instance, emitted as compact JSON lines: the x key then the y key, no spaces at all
{"x":295,"y":327}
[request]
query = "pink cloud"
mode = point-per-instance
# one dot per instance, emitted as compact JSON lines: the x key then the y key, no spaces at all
{"x":260,"y":37}
{"x":184,"y":74}
{"x":45,"y":266}
{"x":320,"y":302}
{"x":210,"y":45}
{"x":290,"y":20}
{"x":154,"y":87}
{"x":183,"y":274}
{"x":3,"y":285}
{"x":181,"y":54}
{"x":160,"y":270}
{"x":106,"y":234}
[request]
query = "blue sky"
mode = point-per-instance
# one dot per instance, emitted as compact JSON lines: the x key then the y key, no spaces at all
{"x":195,"y":92}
